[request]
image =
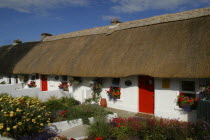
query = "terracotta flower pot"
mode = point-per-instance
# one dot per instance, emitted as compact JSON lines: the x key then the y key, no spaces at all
{"x":103,"y":102}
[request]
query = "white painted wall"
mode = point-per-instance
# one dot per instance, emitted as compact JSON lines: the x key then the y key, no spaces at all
{"x":165,"y":101}
{"x":129,"y":94}
{"x":3,"y":78}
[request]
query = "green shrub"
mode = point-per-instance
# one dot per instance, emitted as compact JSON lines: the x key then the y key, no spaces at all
{"x":3,"y":82}
{"x":22,"y":116}
{"x":99,"y":128}
{"x":54,"y":104}
{"x":85,"y":111}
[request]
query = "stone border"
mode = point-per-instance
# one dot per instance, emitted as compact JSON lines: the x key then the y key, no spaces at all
{"x":65,"y":125}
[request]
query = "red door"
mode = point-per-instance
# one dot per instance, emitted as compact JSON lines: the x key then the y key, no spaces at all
{"x":44,"y":82}
{"x":146,"y":94}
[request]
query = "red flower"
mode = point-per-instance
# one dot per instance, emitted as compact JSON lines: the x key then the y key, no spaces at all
{"x":189,"y":100}
{"x":180,"y":99}
{"x":196,"y":99}
{"x":99,"y":138}
{"x":72,"y":139}
{"x":181,"y":93}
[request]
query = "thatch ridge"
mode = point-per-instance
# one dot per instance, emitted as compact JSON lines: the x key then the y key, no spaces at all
{"x":136,"y":23}
{"x":173,"y":49}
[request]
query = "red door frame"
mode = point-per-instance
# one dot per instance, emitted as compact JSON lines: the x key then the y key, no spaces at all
{"x":44,"y":83}
{"x":146,"y":94}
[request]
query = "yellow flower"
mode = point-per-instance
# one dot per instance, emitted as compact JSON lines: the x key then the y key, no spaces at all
{"x":19,"y":123}
{"x":5,"y":133}
{"x":41,"y":124}
{"x":11,"y":115}
{"x":1,"y":127}
{"x":8,"y":129}
{"x":14,"y":127}
{"x":33,"y":120}
{"x":27,"y":120}
{"x":39,"y":116}
{"x":49,"y":124}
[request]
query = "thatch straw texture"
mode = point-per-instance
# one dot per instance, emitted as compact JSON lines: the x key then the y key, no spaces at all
{"x":10,"y":55}
{"x":172,"y":49}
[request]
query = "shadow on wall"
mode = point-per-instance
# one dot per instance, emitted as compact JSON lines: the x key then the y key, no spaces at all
{"x":10,"y":55}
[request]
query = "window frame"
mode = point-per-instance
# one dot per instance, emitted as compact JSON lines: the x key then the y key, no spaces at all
{"x":185,"y":91}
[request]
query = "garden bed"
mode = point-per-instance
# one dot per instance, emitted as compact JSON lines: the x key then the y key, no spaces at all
{"x":27,"y":118}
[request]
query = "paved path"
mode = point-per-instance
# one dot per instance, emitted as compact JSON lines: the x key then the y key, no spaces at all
{"x":75,"y":132}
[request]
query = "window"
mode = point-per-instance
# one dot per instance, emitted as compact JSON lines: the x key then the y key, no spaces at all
{"x":16,"y":79}
{"x":37,"y":76}
{"x":64,"y":77}
{"x":188,"y":88}
{"x":10,"y":80}
{"x":116,"y":82}
{"x":33,"y":77}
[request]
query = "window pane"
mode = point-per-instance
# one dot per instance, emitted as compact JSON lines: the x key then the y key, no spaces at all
{"x":64,"y":77}
{"x":116,"y":81}
{"x":188,"y":86}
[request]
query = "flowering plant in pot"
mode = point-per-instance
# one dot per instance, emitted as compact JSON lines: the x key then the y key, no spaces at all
{"x":188,"y":104}
{"x":64,"y":86}
{"x":96,"y":86}
{"x":32,"y":84}
{"x":114,"y":93}
{"x":205,"y":92}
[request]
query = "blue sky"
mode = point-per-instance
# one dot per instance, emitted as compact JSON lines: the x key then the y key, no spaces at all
{"x":27,"y":19}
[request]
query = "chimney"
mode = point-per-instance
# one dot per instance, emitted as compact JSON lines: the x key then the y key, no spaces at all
{"x":115,"y":21}
{"x":44,"y":35}
{"x":16,"y":42}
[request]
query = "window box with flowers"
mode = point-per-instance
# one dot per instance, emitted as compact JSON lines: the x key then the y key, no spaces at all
{"x":32,"y":84}
{"x":187,"y":103}
{"x":114,"y":93}
{"x":64,"y":86}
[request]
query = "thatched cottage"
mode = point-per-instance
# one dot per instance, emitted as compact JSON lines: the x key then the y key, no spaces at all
{"x":151,"y":60}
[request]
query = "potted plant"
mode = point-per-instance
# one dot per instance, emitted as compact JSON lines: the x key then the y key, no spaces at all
{"x":205,"y":92}
{"x":188,"y":104}
{"x":96,"y":86}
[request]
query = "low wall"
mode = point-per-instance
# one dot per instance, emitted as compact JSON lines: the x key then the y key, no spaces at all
{"x":65,"y":125}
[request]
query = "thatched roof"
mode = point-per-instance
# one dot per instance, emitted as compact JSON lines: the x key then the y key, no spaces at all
{"x":10,"y":55}
{"x":175,"y":45}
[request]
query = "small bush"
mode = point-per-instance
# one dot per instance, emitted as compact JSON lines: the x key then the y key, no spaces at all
{"x":54,"y":104}
{"x":85,"y":111}
{"x":22,"y":116}
{"x":123,"y":128}
{"x":3,"y":82}
{"x":99,"y":128}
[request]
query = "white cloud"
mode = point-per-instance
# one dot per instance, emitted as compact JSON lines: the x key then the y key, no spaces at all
{"x":109,"y":17}
{"x":131,"y":6}
{"x":39,"y":6}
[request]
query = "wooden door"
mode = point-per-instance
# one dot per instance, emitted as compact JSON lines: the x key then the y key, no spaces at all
{"x":146,"y":94}
{"x":44,"y":82}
